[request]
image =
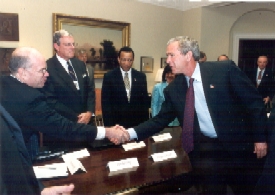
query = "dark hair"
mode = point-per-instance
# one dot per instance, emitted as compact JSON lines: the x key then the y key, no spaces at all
{"x":202,"y":54}
{"x":126,"y":49}
{"x":166,"y":70}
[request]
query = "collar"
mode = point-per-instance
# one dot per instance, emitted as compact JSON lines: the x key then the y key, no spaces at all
{"x":196,"y":74}
{"x":123,"y":72}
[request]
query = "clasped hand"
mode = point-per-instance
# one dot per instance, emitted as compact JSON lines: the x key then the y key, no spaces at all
{"x":117,"y":134}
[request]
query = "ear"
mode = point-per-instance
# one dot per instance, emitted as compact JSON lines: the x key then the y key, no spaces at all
{"x":118,"y":59}
{"x":189,"y":55}
{"x":56,"y":46}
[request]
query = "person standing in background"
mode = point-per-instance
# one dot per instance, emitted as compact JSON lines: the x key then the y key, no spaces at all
{"x":158,"y":96}
{"x":82,"y":56}
{"x":124,"y":98}
{"x":262,"y":78}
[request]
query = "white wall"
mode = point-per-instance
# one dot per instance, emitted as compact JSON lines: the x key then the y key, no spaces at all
{"x":151,"y":26}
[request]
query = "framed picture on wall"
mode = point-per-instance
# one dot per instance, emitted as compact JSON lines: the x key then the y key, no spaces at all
{"x":146,"y":64}
{"x":9,"y":27}
{"x":5,"y":55}
{"x":163,"y":62}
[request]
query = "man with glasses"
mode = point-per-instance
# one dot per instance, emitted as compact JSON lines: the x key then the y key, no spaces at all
{"x":28,"y":106}
{"x":68,"y":88}
{"x":124,"y":93}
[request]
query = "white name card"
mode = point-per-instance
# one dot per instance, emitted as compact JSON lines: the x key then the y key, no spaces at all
{"x":127,"y":163}
{"x":134,"y":145}
{"x":162,"y":156}
{"x":162,"y":137}
{"x":73,"y":164}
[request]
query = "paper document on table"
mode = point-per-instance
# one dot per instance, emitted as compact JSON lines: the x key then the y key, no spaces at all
{"x":51,"y":170}
{"x":162,"y":156}
{"x":162,"y":137}
{"x":78,"y":154}
{"x":73,"y":164}
{"x":134,"y":145}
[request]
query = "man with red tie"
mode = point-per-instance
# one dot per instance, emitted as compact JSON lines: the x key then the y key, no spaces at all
{"x":220,"y":147}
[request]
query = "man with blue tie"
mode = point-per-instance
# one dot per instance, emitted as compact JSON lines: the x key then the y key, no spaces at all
{"x":220,"y":147}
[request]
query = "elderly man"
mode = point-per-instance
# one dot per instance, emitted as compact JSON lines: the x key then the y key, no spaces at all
{"x":68,"y":88}
{"x":28,"y":106}
{"x":211,"y":101}
{"x":262,"y":78}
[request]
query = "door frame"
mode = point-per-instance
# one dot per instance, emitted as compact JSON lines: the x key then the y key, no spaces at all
{"x":236,"y":41}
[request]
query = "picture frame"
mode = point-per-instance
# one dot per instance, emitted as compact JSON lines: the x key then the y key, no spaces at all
{"x":9,"y":27}
{"x":102,"y":39}
{"x":163,"y":62}
{"x":146,"y":64}
{"x":5,"y":55}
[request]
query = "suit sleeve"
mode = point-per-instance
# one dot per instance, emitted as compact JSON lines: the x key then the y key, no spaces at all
{"x":248,"y":96}
{"x":90,"y":90}
{"x":106,"y":101}
{"x":40,"y":117}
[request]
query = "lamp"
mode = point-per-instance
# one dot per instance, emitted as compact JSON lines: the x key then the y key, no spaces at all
{"x":159,"y":75}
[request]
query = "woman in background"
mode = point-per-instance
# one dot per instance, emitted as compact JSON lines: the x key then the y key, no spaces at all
{"x":158,"y":96}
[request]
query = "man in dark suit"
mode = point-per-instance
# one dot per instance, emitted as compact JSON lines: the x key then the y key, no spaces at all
{"x":21,"y":98}
{"x":266,"y":182}
{"x":68,"y":88}
{"x":17,"y":176}
{"x":219,"y":145}
{"x":262,"y":78}
{"x":126,"y":106}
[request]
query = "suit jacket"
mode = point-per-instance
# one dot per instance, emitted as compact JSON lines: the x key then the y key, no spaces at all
{"x":231,"y":99}
{"x":62,"y":94}
{"x":266,"y":182}
{"x":266,"y":87}
{"x":17,"y":176}
{"x":30,"y":110}
{"x":91,"y":71}
{"x":157,"y":100}
{"x":115,"y":106}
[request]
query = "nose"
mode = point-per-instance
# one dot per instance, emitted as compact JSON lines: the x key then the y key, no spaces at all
{"x":46,"y":74}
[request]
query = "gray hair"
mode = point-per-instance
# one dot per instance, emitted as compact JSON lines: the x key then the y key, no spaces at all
{"x":58,"y":34}
{"x":21,"y":58}
{"x":187,"y":44}
{"x":81,"y":51}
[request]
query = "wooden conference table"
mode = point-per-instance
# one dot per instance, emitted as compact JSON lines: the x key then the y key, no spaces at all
{"x":98,"y":180}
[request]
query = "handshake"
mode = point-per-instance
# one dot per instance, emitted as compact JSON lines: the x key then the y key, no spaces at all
{"x":117,"y":134}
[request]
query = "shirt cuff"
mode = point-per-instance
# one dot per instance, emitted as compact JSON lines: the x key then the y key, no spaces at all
{"x":132,"y":133}
{"x":101,"y":132}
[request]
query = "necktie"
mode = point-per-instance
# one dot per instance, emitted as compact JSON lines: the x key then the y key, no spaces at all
{"x":127,"y":84}
{"x":188,"y":120}
{"x":259,"y":78}
{"x":71,"y":71}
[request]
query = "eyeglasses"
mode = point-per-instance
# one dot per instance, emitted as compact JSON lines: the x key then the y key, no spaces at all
{"x":43,"y":71}
{"x":69,"y":44}
{"x":126,"y":60}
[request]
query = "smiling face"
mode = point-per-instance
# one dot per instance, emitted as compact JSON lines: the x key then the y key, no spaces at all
{"x":180,"y":63}
{"x":66,"y":48}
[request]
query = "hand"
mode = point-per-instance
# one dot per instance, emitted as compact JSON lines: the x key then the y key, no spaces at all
{"x":84,"y":117}
{"x":260,"y":149}
{"x":266,"y":100}
{"x":57,"y":190}
{"x":117,"y":134}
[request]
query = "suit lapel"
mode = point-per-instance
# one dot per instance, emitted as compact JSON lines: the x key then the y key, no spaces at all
{"x":63,"y":75}
{"x":206,"y":77}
